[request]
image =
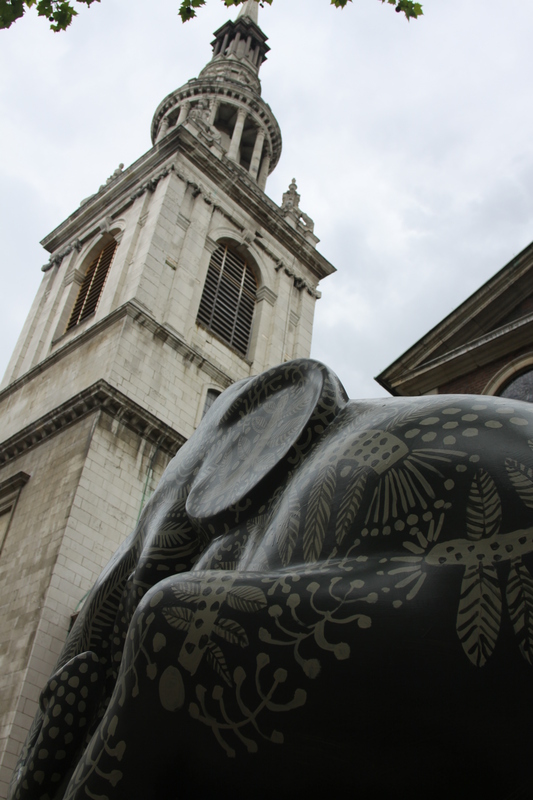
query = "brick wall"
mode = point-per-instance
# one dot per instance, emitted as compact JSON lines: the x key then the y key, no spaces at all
{"x":474,"y":382}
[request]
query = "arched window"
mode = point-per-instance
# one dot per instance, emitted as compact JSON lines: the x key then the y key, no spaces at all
{"x":92,"y":286}
{"x":520,"y":388}
{"x":228,"y":299}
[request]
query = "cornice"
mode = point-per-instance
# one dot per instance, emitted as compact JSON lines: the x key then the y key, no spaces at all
{"x":461,"y":360}
{"x":101,"y":396}
{"x":12,"y":485}
{"x":114,"y":198}
{"x":236,"y":92}
{"x":239,"y":187}
{"x":140,"y":316}
{"x":468,"y":329}
{"x":145,"y":174}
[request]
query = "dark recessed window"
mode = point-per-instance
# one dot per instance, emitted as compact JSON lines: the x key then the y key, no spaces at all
{"x":210,"y":398}
{"x":520,"y":388}
{"x":92,"y":286}
{"x":10,"y":490}
{"x":228,"y":299}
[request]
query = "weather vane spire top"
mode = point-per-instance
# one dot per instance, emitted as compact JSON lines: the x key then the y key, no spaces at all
{"x":249,"y":9}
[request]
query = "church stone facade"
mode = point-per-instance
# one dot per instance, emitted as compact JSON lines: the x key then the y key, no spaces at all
{"x":177,"y":278}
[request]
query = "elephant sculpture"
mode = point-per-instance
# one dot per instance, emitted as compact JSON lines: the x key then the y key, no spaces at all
{"x":322,"y":595}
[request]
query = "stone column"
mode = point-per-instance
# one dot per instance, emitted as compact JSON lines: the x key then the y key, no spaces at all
{"x":213,"y":111}
{"x":256,"y":155}
{"x":163,"y":129}
{"x":263,"y":174}
{"x":184,"y":111}
{"x":235,"y":43}
{"x":233,"y":151}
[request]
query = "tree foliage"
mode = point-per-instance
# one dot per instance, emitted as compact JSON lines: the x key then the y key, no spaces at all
{"x":58,"y":12}
{"x":61,"y":12}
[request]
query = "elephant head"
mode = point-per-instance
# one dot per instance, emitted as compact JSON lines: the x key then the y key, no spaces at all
{"x":342,"y":588}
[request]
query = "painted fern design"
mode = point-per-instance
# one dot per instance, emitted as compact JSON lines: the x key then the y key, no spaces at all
{"x":172,"y":533}
{"x":484,"y":511}
{"x":522,"y":479}
{"x":318,"y":514}
{"x":288,"y":536}
{"x":96,"y":623}
{"x":187,"y":591}
{"x":350,"y":504}
{"x":520,"y":602}
{"x":246,"y":598}
{"x":179,"y":617}
{"x":479,"y":612}
{"x":215,"y":659}
{"x":231,"y":631}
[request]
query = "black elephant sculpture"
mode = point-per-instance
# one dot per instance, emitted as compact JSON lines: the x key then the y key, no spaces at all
{"x":322,"y":595}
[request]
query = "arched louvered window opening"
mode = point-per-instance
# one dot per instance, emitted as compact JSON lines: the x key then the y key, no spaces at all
{"x":228,"y":299}
{"x":93,"y":285}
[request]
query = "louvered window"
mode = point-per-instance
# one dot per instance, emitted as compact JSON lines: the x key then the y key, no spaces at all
{"x":92,"y":286}
{"x":228,"y":299}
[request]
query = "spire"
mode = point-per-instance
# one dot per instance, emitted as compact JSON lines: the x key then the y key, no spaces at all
{"x":249,"y":9}
{"x":240,"y":45}
{"x":223,"y":106}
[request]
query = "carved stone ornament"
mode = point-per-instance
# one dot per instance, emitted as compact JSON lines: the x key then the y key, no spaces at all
{"x":290,"y":207}
{"x":199,"y":117}
{"x":291,"y":198}
{"x":104,"y":226}
{"x":322,"y":597}
{"x":55,"y":260}
{"x":112,"y":177}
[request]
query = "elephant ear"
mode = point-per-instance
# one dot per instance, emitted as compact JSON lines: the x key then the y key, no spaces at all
{"x":265,"y":417}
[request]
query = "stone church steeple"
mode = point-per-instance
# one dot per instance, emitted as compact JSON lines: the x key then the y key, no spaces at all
{"x":177,"y":277}
{"x":224,"y":103}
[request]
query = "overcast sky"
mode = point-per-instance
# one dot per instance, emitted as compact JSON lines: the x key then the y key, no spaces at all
{"x":411,"y":143}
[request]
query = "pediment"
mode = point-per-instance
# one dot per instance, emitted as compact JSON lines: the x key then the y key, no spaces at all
{"x":494,"y":321}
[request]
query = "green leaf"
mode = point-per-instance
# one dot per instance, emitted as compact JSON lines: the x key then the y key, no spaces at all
{"x":10,"y":10}
{"x":187,"y":9}
{"x":410,"y":9}
{"x":59,"y":12}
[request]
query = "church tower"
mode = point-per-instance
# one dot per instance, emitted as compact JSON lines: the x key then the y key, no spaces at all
{"x":177,"y":278}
